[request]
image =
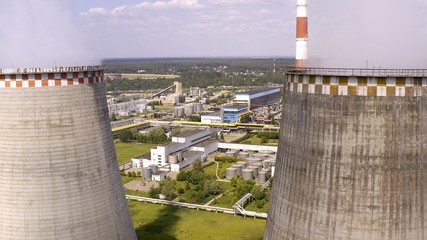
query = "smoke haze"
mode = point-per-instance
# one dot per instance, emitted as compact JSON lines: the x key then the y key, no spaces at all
{"x":368,"y":33}
{"x":40,"y":34}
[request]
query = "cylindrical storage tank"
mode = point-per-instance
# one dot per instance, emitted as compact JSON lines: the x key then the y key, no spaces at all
{"x":238,"y":168}
{"x":59,"y":175}
{"x":146,"y":172}
{"x":352,"y":156}
{"x":230,"y":172}
{"x":268,"y":162}
{"x":252,"y":160}
{"x":254,"y":170}
{"x":180,"y":112}
{"x":154,"y":168}
{"x":243,"y":164}
{"x":243,"y":154}
{"x":173,"y":159}
{"x":189,"y":109}
{"x":248,"y":174}
{"x":259,"y":155}
{"x":268,"y":152}
{"x":262,"y":177}
{"x":231,"y":153}
{"x":199,"y":107}
{"x":258,"y":165}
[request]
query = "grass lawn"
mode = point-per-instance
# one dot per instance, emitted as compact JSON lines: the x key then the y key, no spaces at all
{"x":126,"y":179}
{"x":252,"y":207}
{"x":257,"y":141}
{"x":125,"y":151}
{"x":136,"y":193}
{"x":157,"y":222}
{"x":211,"y":170}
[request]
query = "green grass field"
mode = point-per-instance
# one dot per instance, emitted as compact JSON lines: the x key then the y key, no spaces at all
{"x":256,"y":140}
{"x":157,"y":222}
{"x":211,"y":170}
{"x":125,"y":151}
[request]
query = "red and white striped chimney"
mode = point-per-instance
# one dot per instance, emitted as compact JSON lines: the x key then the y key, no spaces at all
{"x":302,"y":34}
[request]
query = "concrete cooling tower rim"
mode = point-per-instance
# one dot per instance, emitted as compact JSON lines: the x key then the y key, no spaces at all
{"x":50,"y":77}
{"x":357,"y":82}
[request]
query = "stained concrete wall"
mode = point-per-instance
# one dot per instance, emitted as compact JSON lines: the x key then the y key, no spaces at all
{"x":350,"y":167}
{"x":59,"y":177}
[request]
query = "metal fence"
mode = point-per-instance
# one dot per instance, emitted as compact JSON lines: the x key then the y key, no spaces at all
{"x":50,"y":70}
{"x":360,"y":72}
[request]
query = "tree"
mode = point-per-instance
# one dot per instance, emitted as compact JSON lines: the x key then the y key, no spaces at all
{"x":264,"y":140}
{"x":113,"y":117}
{"x":126,"y":136}
{"x":168,"y":189}
{"x":258,"y":193}
{"x":212,"y":187}
{"x":154,"y":192}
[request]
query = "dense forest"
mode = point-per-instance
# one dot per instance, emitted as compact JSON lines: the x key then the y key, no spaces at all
{"x":197,"y":72}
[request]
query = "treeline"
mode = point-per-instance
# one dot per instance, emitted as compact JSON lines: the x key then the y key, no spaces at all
{"x":156,"y":136}
{"x":194,"y":186}
{"x":176,"y":66}
{"x":194,"y":79}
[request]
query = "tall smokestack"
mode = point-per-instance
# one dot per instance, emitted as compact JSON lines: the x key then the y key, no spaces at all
{"x":302,"y":34}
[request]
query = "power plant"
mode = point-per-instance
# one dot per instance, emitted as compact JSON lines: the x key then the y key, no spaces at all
{"x":351,"y":162}
{"x":59,"y":174}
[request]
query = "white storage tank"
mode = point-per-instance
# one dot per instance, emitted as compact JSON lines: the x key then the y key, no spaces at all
{"x":262,"y":177}
{"x":199,"y":107}
{"x":238,"y":168}
{"x":254,"y":170}
{"x":231,"y":153}
{"x":243,"y":164}
{"x":253,"y":160}
{"x":173,"y":159}
{"x":243,"y":154}
{"x":189,"y":109}
{"x":248,"y":174}
{"x":230,"y":172}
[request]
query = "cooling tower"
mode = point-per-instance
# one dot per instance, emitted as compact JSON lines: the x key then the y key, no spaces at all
{"x":352,"y":158}
{"x":59,"y":177}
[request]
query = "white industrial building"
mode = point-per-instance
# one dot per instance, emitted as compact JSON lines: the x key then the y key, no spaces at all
{"x":185,"y":149}
{"x":215,"y":117}
{"x":128,"y":108}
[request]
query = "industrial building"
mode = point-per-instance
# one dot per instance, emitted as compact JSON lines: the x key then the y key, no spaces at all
{"x":128,"y":108}
{"x":232,"y":113}
{"x":59,"y":173}
{"x":351,"y":156}
{"x":215,"y":117}
{"x":259,"y":98}
{"x":192,"y":144}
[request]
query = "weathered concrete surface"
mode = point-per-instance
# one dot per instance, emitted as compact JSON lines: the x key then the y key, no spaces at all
{"x":59,"y":177}
{"x":350,"y":167}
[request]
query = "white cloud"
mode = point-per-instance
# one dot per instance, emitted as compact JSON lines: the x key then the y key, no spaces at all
{"x":183,"y":4}
{"x":103,"y":11}
{"x":263,"y":11}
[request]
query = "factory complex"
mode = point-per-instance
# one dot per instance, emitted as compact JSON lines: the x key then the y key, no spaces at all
{"x":244,"y":105}
{"x":196,"y":144}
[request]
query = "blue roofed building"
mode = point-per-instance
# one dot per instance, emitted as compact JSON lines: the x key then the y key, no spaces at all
{"x":258,"y":98}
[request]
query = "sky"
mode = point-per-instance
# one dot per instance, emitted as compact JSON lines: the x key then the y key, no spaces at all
{"x":79,"y":32}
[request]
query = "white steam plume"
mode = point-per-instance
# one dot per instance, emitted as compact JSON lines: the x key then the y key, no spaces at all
{"x":368,"y":33}
{"x":39,"y":33}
